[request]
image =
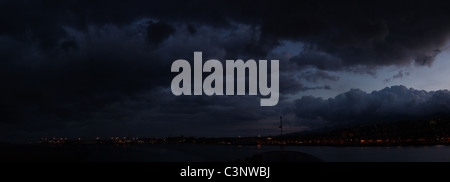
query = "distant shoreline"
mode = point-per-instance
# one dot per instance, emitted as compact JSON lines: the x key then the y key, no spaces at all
{"x":286,"y":145}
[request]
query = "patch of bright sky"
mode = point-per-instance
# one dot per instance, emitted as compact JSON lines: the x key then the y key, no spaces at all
{"x":429,"y":78}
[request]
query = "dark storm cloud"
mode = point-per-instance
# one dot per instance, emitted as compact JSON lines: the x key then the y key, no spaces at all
{"x":71,"y":84}
{"x":94,"y":65}
{"x":389,"y":104}
{"x":366,"y":34}
{"x":158,"y":32}
{"x":314,"y":77}
{"x":398,"y":75}
{"x":291,"y":83}
{"x":88,"y":79}
{"x":191,"y":29}
{"x":336,"y":34}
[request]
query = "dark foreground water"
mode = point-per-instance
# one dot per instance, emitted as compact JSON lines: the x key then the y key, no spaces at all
{"x":218,"y":153}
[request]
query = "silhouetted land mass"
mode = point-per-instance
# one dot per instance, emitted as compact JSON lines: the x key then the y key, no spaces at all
{"x":434,"y":131}
{"x":407,"y":132}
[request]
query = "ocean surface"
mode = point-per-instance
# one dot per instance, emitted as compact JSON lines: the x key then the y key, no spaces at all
{"x":217,"y":153}
{"x":226,"y":153}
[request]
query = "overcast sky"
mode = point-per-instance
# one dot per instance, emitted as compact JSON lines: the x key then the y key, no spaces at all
{"x":102,"y":68}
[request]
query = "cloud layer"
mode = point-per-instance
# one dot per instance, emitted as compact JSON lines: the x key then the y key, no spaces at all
{"x":103,"y":67}
{"x":394,"y":103}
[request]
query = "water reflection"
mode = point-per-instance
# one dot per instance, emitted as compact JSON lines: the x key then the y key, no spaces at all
{"x":225,"y":153}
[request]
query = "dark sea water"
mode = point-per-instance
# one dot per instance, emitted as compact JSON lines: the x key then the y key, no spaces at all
{"x":225,"y":153}
{"x":217,"y":153}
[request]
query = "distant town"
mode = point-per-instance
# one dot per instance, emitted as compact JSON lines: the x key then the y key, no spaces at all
{"x":409,"y":132}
